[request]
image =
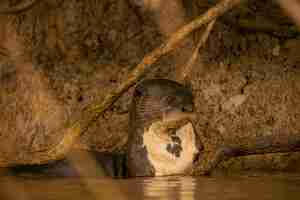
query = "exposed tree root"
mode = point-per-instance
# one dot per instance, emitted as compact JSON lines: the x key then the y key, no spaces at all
{"x":275,"y":143}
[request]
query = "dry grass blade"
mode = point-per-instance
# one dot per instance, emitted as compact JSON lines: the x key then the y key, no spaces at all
{"x":188,"y":67}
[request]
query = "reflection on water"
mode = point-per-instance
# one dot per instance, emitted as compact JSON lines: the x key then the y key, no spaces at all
{"x":170,"y":188}
{"x":187,"y":188}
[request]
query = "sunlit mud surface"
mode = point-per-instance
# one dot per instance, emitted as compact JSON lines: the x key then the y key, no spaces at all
{"x":237,"y":187}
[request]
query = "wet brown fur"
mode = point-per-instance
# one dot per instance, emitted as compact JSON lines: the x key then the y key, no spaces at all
{"x":150,"y":100}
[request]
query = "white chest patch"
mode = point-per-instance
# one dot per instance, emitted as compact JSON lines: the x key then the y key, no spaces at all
{"x":164,"y":162}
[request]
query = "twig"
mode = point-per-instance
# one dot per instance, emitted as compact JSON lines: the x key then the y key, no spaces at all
{"x":19,"y":8}
{"x":188,"y":67}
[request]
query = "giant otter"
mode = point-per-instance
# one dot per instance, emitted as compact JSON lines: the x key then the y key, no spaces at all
{"x":162,"y":140}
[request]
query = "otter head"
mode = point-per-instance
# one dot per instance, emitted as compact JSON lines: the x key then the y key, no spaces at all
{"x":161,"y":99}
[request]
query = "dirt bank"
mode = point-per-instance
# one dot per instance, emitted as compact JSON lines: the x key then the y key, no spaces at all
{"x":246,"y":81}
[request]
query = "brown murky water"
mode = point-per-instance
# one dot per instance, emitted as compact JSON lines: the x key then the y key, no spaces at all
{"x":187,"y":188}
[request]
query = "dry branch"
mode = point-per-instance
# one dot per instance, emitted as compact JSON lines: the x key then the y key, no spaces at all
{"x":185,"y":71}
{"x":89,"y":115}
{"x":174,"y":40}
{"x":275,"y":143}
{"x":19,"y":8}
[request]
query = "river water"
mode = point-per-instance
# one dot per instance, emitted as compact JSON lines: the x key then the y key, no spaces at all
{"x":269,"y":187}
